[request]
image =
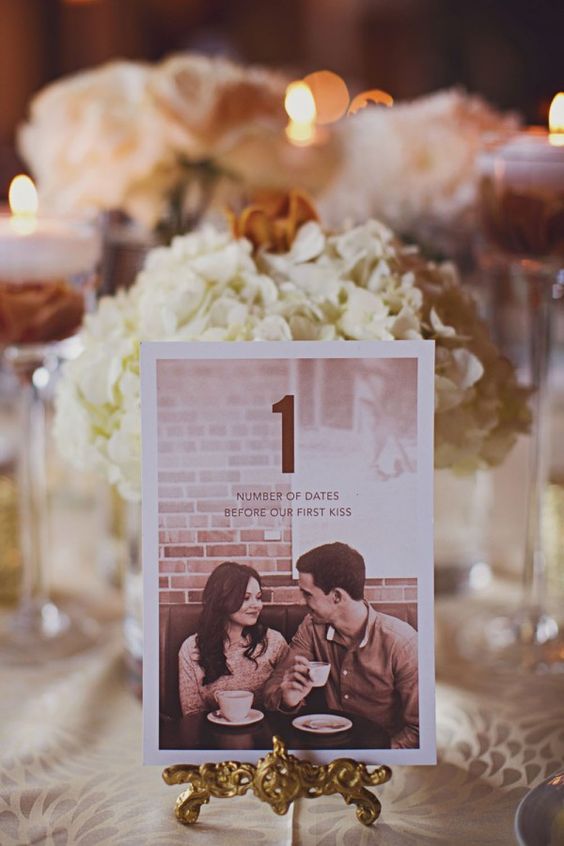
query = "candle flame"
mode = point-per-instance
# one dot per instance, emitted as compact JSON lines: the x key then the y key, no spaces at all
{"x":300,"y":107}
{"x":22,"y":197}
{"x":299,"y":102}
{"x":556,"y":120}
{"x":374,"y":95}
{"x":23,"y":201}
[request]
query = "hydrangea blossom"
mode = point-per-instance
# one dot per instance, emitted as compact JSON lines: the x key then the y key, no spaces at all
{"x":358,"y":284}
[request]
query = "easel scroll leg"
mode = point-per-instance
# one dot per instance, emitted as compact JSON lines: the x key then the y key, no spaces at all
{"x":188,"y":804}
{"x":368,"y":807}
{"x":350,"y":779}
{"x":190,"y":801}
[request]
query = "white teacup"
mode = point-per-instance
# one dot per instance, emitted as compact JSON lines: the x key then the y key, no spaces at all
{"x":319,"y":672}
{"x":234,"y":704}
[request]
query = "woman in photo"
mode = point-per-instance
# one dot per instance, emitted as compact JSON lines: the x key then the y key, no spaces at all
{"x":232,"y":649}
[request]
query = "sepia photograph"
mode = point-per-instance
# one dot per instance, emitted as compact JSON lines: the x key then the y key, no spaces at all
{"x":287,"y":495}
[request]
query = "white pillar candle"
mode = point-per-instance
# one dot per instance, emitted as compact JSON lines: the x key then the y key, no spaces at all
{"x":46,"y":249}
{"x":529,"y":161}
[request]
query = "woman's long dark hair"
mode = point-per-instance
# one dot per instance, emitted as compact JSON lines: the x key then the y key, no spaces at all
{"x":223,"y":595}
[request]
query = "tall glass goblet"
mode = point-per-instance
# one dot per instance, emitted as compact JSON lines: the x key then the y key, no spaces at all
{"x":48,"y":271}
{"x":522,"y":203}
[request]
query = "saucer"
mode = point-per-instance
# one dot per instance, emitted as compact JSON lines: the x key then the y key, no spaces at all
{"x":322,"y":723}
{"x":253,"y":716}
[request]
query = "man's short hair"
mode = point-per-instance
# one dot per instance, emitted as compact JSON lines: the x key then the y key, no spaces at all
{"x":335,"y":565}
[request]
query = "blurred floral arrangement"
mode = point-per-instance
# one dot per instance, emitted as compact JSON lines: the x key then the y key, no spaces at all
{"x":421,"y":157}
{"x":163,"y":141}
{"x":159,"y":142}
{"x":279,"y":275}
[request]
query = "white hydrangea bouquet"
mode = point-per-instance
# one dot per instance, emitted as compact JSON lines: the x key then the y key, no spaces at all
{"x":279,"y":276}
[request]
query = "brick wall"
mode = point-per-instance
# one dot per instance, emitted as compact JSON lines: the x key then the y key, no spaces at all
{"x":391,"y":590}
{"x":205,"y":459}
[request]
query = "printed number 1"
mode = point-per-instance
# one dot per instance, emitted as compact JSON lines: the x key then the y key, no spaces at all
{"x":285,"y":407}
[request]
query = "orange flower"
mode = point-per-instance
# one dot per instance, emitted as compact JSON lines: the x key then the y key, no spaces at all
{"x":273,"y":220}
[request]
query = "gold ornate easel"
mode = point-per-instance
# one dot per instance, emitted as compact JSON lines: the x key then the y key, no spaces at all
{"x":278,"y":779}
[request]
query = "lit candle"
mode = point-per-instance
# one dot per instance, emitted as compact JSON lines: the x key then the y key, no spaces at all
{"x":34,"y":247}
{"x":556,"y":120}
{"x":300,"y":107}
{"x":522,"y":188}
{"x":46,"y":265}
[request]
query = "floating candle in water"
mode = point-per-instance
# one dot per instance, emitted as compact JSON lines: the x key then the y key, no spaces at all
{"x":46,"y":264}
{"x":522,"y":188}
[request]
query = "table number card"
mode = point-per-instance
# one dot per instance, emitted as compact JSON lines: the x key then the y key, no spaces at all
{"x":288,"y":550}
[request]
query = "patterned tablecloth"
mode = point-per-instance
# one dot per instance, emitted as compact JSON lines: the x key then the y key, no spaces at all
{"x":70,"y":762}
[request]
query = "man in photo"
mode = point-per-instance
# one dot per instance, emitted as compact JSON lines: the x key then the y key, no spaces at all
{"x":373,"y":656}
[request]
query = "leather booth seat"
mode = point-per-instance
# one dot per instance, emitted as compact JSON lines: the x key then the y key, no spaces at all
{"x":177,"y":622}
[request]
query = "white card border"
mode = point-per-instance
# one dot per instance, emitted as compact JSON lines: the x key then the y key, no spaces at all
{"x":153,"y":351}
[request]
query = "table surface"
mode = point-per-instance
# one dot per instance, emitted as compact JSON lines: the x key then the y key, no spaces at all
{"x":71,"y":773}
{"x":195,"y":731}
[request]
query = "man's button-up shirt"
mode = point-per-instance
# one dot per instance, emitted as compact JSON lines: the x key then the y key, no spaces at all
{"x":376,"y":678}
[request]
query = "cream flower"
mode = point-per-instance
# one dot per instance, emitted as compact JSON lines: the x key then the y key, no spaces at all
{"x":128,"y":136}
{"x":208,"y":104}
{"x":92,"y":139}
{"x":413,"y":165}
{"x":359,"y":284}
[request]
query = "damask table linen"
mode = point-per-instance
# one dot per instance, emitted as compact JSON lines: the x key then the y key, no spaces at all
{"x":71,"y":772}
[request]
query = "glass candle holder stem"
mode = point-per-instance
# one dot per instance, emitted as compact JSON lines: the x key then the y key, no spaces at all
{"x":34,"y":528}
{"x":36,"y":616}
{"x":48,"y":273}
{"x":521,"y":181}
{"x":534,"y":624}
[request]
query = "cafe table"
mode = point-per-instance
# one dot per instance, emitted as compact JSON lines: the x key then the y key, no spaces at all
{"x":71,"y":771}
{"x":196,"y":731}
